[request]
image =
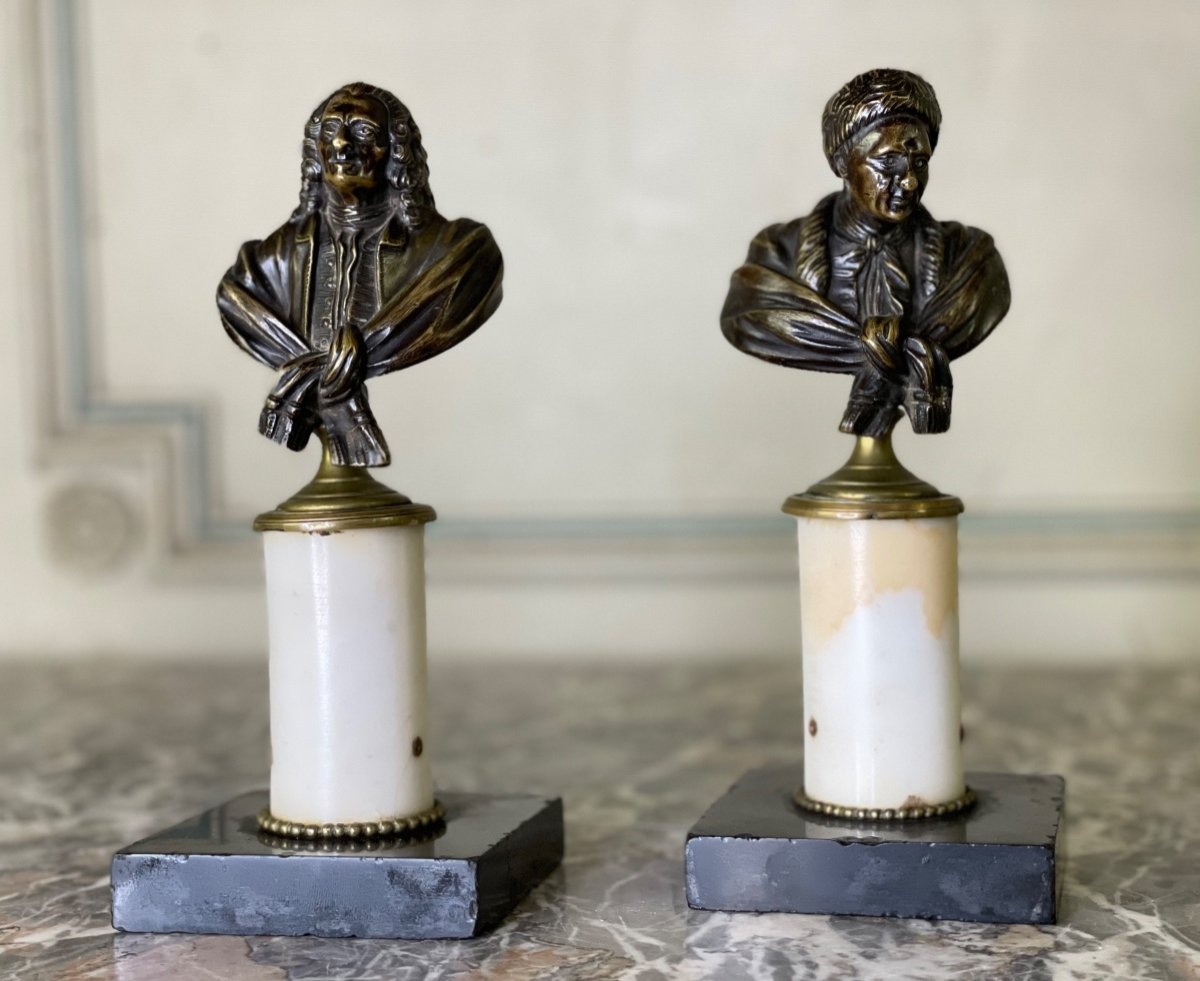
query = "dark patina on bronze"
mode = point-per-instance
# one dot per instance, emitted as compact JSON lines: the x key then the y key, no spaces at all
{"x":869,"y":284}
{"x":365,"y":278}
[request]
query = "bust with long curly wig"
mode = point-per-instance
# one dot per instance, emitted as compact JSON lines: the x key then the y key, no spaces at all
{"x":363,"y":279}
{"x":407,"y":168}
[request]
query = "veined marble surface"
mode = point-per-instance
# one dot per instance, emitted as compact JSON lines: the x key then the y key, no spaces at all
{"x":94,"y":756}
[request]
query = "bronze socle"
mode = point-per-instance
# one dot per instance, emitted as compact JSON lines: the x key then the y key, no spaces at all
{"x":872,"y":484}
{"x":870,"y":284}
{"x":340,"y":498}
{"x":365,"y":278}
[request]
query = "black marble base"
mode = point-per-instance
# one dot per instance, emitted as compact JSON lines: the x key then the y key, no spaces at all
{"x":217,"y":874}
{"x":754,"y":850}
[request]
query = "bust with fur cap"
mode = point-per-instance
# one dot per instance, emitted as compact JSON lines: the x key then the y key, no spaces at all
{"x":868,"y":283}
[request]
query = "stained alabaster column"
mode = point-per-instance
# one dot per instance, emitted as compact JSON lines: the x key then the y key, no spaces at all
{"x":349,"y":716}
{"x":879,"y":636}
{"x":345,"y":562}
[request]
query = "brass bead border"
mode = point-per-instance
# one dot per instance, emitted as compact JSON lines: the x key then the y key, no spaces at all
{"x":353,"y":831}
{"x":353,"y":846}
{"x":960,"y":803}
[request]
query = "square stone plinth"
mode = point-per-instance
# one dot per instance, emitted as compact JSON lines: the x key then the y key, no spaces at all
{"x":216,"y":873}
{"x":996,"y":862}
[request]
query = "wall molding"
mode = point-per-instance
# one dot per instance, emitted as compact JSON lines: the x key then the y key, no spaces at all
{"x":157,"y":454}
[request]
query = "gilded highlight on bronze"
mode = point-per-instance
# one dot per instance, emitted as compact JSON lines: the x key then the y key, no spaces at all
{"x":870,"y":284}
{"x":365,"y":277}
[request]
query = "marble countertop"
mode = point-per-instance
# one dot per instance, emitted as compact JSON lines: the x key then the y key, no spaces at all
{"x":96,"y":755}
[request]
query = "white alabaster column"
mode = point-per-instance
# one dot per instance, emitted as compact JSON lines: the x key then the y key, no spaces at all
{"x":879,"y":633}
{"x":346,"y":614}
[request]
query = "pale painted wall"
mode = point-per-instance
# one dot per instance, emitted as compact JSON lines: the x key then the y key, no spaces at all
{"x":607,"y":468}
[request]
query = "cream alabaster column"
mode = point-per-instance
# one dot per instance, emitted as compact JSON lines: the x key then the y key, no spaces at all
{"x":349,"y":716}
{"x":879,"y":633}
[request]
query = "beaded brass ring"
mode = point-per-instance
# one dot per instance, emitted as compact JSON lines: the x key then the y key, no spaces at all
{"x":352,"y":831}
{"x":353,"y":846}
{"x":962,"y":802}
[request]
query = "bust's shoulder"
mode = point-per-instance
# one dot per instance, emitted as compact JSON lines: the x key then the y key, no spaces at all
{"x":461,"y":226}
{"x":284,"y":239}
{"x":801,"y":232}
{"x":271,"y":256}
{"x":438,"y":236}
{"x":954,"y":234}
{"x":951,"y":244}
{"x":457,"y":229}
{"x":796,"y":248}
{"x":439,"y":230}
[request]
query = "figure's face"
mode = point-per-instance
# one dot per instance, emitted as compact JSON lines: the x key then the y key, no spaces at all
{"x":353,"y":144}
{"x":888,"y":168}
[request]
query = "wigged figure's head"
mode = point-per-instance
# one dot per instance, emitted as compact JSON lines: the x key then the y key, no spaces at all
{"x":362,"y":141}
{"x":880,"y":129}
{"x":353,"y":144}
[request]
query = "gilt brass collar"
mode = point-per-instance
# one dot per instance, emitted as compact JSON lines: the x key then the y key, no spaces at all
{"x":872,"y":484}
{"x":342,"y":498}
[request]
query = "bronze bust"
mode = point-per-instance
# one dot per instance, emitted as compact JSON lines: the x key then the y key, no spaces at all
{"x":365,"y":278}
{"x":869,"y":284}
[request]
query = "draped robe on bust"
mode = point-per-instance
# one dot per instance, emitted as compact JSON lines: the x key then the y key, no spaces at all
{"x":778,"y":307}
{"x":435,"y":286}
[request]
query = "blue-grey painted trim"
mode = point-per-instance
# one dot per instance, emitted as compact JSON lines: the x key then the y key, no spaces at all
{"x":188,"y":418}
{"x":191,"y":419}
{"x":998,"y":524}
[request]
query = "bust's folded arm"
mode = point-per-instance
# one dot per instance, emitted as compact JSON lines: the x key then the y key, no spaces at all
{"x":341,"y":368}
{"x":456,"y":290}
{"x":251,"y":297}
{"x":772,"y":315}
